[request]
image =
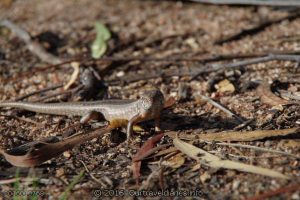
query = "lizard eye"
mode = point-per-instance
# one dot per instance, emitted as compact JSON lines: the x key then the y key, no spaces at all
{"x":146,"y":103}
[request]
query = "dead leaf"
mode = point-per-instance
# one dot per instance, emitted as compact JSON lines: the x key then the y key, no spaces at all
{"x":268,"y":97}
{"x":294,"y":144}
{"x":225,"y":86}
{"x":165,"y":151}
{"x":215,"y":162}
{"x":147,"y":147}
{"x":136,"y":170}
{"x":143,"y":152}
{"x":248,"y":135}
{"x":175,"y":161}
{"x":169,"y":102}
{"x":35,"y":153}
{"x":237,"y":135}
{"x":74,"y":75}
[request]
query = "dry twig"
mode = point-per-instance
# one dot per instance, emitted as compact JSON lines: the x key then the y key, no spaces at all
{"x":92,"y":176}
{"x":34,"y":47}
{"x":196,"y":71}
{"x":257,"y":149}
{"x":270,"y":57}
{"x":271,"y":193}
{"x":219,"y":106}
{"x":237,"y":136}
{"x":38,"y":92}
{"x":258,"y":28}
{"x":252,"y":2}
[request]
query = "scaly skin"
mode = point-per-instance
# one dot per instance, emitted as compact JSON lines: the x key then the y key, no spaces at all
{"x":117,"y":112}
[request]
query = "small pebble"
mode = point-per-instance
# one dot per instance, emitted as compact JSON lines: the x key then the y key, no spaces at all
{"x":67,"y":154}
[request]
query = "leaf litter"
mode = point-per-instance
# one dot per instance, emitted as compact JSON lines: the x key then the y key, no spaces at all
{"x":215,"y":162}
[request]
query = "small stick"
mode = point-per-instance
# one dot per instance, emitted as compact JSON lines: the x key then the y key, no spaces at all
{"x":196,"y":71}
{"x":52,"y":95}
{"x":59,"y":94}
{"x":35,"y":47}
{"x":248,"y":157}
{"x":32,"y":46}
{"x":252,"y":2}
{"x":255,"y":148}
{"x":74,"y":75}
{"x":256,"y":29}
{"x":270,"y":57}
{"x":21,"y":119}
{"x":92,"y":176}
{"x":244,"y":124}
{"x":38,"y":92}
{"x":219,"y":106}
{"x":271,"y":193}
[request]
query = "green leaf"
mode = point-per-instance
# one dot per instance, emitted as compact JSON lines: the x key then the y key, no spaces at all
{"x":102,"y":31}
{"x":99,"y":45}
{"x":98,"y":48}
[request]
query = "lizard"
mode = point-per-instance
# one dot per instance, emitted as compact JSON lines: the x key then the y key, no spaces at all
{"x":118,"y":112}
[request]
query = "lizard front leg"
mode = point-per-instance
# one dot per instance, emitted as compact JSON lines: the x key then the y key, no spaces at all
{"x":130,"y":124}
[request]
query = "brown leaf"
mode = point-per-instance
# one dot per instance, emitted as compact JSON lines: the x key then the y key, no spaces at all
{"x":143,"y":152}
{"x":249,"y":135}
{"x":237,"y":135}
{"x":268,"y":97}
{"x":169,"y":102}
{"x":136,"y":167}
{"x":35,"y":153}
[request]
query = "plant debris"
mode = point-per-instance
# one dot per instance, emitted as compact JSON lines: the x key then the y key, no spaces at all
{"x":237,"y":135}
{"x":35,"y":153}
{"x":213,"y":161}
{"x":99,"y":46}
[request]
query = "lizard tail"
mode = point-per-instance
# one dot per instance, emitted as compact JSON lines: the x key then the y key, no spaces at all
{"x":56,"y":109}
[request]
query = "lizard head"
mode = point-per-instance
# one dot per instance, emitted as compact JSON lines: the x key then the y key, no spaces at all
{"x":152,"y":101}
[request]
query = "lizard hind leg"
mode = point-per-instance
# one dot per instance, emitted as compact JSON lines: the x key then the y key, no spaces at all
{"x":91,"y":116}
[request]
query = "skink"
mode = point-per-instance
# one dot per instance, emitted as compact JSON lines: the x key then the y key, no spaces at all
{"x":117,"y":112}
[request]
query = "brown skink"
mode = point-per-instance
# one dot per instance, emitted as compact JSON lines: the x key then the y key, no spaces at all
{"x":117,"y":112}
